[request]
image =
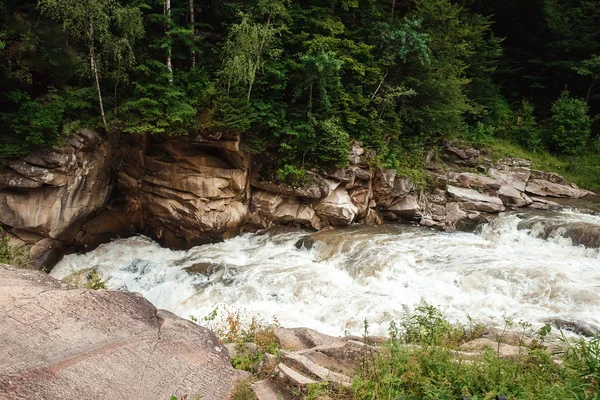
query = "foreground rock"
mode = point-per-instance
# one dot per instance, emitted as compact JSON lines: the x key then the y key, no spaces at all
{"x":79,"y":344}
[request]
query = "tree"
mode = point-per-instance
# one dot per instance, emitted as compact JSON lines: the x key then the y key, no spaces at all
{"x":591,"y":68}
{"x":571,"y":124}
{"x":91,"y":21}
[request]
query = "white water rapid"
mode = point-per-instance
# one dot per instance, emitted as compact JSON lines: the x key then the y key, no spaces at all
{"x":362,"y":273}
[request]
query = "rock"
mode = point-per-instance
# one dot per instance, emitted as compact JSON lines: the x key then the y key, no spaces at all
{"x":513,"y":172}
{"x":271,"y":208}
{"x":549,"y":176}
{"x":67,"y":344}
{"x":389,"y":188}
{"x":360,"y":197}
{"x":342,"y":355}
{"x":292,"y":378}
{"x":316,"y":187}
{"x":463,"y":220}
{"x":236,"y":349}
{"x":512,"y":197}
{"x":336,"y":209}
{"x":301,"y":338}
{"x":540,"y":203}
{"x":356,"y":152}
{"x":578,"y":327}
{"x":306,"y":366}
{"x":503,"y":350}
{"x":473,"y":200}
{"x":461,"y":156}
{"x":307,"y":242}
{"x":182,"y":192}
{"x":45,"y":253}
{"x":266,"y":390}
{"x":471,"y":180}
{"x":371,"y":217}
{"x":65,"y":187}
{"x":545,"y":188}
{"x":407,"y":207}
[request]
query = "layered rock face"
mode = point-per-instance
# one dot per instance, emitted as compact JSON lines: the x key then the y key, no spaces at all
{"x":47,"y":196}
{"x":184,"y":191}
{"x":83,"y":344}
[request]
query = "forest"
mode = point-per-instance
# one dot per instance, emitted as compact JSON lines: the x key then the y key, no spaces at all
{"x":300,"y":79}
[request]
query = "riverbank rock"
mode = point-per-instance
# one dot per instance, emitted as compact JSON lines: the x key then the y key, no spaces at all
{"x":48,"y":195}
{"x":183,"y":190}
{"x":547,"y":188}
{"x":80,"y":344}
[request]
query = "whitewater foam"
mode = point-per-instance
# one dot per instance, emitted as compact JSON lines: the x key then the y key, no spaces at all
{"x":360,"y":273}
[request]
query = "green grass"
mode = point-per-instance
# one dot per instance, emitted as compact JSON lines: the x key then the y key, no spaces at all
{"x":583,"y":170}
{"x":420,"y":362}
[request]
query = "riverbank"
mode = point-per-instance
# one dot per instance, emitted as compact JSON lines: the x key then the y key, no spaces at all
{"x":186,"y":191}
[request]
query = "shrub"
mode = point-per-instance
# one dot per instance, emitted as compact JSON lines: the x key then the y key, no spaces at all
{"x":13,"y":255}
{"x":571,"y":125}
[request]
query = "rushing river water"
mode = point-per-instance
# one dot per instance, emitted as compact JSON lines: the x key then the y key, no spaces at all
{"x":368,"y":273}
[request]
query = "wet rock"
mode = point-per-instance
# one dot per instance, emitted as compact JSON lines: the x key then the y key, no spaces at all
{"x":540,"y":203}
{"x":473,"y":200}
{"x":579,"y":327}
{"x":66,"y":344}
{"x":307,"y":242}
{"x":407,"y":207}
{"x":271,"y":208}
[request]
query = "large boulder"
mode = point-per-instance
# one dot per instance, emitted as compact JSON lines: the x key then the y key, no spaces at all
{"x":336,"y":209}
{"x":268,"y":209}
{"x":83,"y":344}
{"x":473,"y":200}
{"x":546,"y":188}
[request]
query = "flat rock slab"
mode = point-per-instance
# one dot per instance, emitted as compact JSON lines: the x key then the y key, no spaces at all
{"x":82,"y":344}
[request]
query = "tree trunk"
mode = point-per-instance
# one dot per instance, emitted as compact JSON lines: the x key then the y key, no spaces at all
{"x":169,"y":64}
{"x":589,"y":91}
{"x":192,"y":27}
{"x":260,"y":50}
{"x":95,"y":70}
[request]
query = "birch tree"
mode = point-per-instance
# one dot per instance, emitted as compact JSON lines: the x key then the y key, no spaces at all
{"x":90,"y":21}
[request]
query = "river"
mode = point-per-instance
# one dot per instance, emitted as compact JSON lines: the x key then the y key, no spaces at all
{"x":508,"y":268}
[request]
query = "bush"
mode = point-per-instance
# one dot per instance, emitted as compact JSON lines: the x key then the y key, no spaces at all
{"x":420,"y":362}
{"x":12,"y":255}
{"x":571,"y":125}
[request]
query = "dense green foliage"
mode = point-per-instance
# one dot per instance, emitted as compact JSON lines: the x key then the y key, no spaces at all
{"x":301,"y":78}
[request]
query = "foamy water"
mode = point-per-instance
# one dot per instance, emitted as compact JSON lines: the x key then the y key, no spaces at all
{"x":363,"y":273}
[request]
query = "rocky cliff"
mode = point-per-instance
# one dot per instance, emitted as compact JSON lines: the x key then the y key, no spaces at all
{"x":187,"y":190}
